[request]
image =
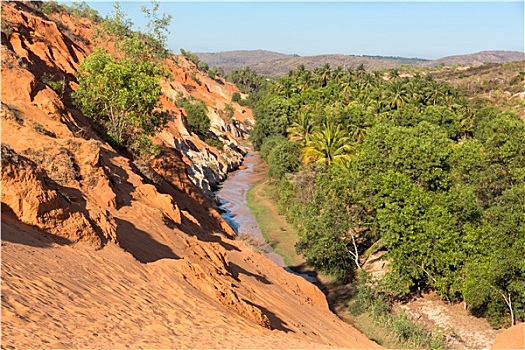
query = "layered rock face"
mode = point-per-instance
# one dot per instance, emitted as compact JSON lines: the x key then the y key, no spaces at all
{"x":207,"y":166}
{"x":100,"y":253}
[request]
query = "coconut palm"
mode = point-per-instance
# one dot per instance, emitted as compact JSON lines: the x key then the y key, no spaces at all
{"x":300,"y":128}
{"x":397,"y":95}
{"x":326,"y":146}
{"x":393,"y":73}
{"x":358,"y":132}
{"x":324,"y":74}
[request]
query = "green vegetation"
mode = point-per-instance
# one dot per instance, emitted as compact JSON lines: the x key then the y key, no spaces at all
{"x":247,"y":80}
{"x":58,"y":85}
{"x":212,"y":72}
{"x":77,"y":9}
{"x":236,"y":97}
{"x":371,"y":303}
{"x":214,"y":142}
{"x":196,"y":114}
{"x":121,"y":92}
{"x":274,"y":227}
{"x":406,"y":165}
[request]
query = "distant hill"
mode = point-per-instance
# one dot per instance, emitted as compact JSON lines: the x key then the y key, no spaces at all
{"x":479,"y":58}
{"x":277,"y":64}
{"x":239,"y":58}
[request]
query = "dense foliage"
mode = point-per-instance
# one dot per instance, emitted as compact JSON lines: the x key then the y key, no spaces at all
{"x":196,"y":114}
{"x":121,"y":91}
{"x":368,"y":161}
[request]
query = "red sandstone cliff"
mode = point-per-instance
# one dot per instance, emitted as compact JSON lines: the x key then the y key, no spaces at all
{"x":96,"y":256}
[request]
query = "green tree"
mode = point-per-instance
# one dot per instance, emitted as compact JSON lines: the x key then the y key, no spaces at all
{"x":328,"y":145}
{"x":283,"y":159}
{"x":397,"y":94}
{"x":494,"y":275}
{"x":301,"y":127}
{"x":118,"y":24}
{"x":196,"y":115}
{"x":156,"y":27}
{"x":236,"y":97}
{"x":122,"y":96}
{"x":272,"y":115}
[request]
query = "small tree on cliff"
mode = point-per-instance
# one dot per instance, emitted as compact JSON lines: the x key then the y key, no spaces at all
{"x":121,"y":92}
{"x":121,"y":96}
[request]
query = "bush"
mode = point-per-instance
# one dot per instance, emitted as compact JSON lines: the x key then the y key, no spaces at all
{"x":236,"y":97}
{"x":369,"y":299}
{"x":212,"y":73}
{"x":58,"y":85}
{"x":283,"y":159}
{"x":121,"y":95}
{"x":82,"y":10}
{"x":48,"y":7}
{"x":203,"y":66}
{"x":229,"y":112}
{"x":214,"y":143}
{"x":196,"y":115}
{"x":269,"y":144}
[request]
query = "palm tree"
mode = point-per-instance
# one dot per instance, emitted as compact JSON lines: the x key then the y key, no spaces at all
{"x":397,"y":95}
{"x":326,"y":146}
{"x":325,"y":74}
{"x":433,"y":93}
{"x":300,"y":128}
{"x":393,"y":73}
{"x":338,"y":73}
{"x":304,"y":81}
{"x":358,"y":132}
{"x":346,"y":89}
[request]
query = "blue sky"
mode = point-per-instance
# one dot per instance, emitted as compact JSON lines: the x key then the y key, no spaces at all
{"x":410,"y":29}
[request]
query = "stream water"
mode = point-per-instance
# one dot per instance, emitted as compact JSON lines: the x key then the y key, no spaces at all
{"x":232,"y":199}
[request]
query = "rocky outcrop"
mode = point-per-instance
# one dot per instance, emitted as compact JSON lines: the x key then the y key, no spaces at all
{"x":38,"y":200}
{"x":207,"y":165}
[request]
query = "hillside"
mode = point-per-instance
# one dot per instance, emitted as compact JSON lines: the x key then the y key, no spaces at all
{"x":231,"y":60}
{"x":479,"y":58}
{"x":275,"y":64}
{"x":502,"y":84}
{"x":103,"y":250}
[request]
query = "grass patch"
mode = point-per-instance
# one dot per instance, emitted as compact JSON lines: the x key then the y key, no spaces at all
{"x":281,"y":235}
{"x":374,"y":317}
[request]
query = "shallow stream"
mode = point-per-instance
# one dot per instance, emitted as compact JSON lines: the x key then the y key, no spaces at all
{"x":232,"y":199}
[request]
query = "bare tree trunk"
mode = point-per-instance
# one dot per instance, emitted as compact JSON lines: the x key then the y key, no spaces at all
{"x":508,"y":301}
{"x":355,"y":254}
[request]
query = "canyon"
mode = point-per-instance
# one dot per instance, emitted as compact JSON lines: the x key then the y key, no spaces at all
{"x":102,"y":251}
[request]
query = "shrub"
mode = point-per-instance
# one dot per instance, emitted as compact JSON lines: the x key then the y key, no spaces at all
{"x":196,"y":114}
{"x":48,"y":7}
{"x":229,"y":112}
{"x":82,"y":10}
{"x":369,"y":299}
{"x":214,"y":143}
{"x":269,"y":144}
{"x":212,"y":73}
{"x":58,"y":85}
{"x":121,"y":95}
{"x":236,"y":97}
{"x":283,"y":159}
